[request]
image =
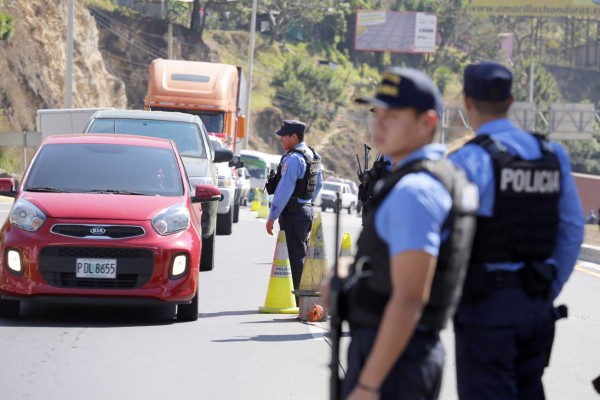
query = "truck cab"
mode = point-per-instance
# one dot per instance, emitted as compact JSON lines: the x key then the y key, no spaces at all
{"x":212,"y":91}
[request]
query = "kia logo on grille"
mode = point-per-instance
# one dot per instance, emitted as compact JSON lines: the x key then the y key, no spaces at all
{"x":97,"y":230}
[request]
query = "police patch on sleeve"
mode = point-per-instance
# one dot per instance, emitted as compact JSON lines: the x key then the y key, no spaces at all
{"x":284,"y":168}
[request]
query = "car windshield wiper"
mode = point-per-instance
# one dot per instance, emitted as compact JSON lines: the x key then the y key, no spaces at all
{"x":116,"y":191}
{"x":45,"y":189}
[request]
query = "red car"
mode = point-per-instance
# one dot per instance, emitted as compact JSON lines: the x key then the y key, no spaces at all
{"x":106,"y":219}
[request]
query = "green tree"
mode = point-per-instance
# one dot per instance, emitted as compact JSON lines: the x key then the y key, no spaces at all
{"x":585,"y":155}
{"x":545,"y":87}
{"x":309,"y":92}
{"x":6,"y":25}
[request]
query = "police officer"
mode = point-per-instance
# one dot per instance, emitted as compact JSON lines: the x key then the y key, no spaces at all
{"x":295,"y":187}
{"x":402,"y":294}
{"x":529,"y":231}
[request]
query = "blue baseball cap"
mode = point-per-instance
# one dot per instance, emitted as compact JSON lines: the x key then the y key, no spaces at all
{"x":406,"y":88}
{"x":291,"y":126}
{"x":487,"y":81}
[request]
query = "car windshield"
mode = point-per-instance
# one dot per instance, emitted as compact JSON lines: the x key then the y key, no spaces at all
{"x":213,"y":121}
{"x":106,"y":168}
{"x":332,"y":187}
{"x":185,"y":134}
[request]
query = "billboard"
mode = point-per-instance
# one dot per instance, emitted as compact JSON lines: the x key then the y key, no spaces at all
{"x":537,"y":8}
{"x":396,"y":32}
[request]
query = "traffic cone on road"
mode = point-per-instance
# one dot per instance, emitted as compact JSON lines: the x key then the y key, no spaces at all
{"x":256,"y":200}
{"x":315,"y":267}
{"x":263,"y":211}
{"x":346,"y":249}
{"x":280,"y":299}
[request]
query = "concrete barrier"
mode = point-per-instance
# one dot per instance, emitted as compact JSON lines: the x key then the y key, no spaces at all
{"x":590,"y":253}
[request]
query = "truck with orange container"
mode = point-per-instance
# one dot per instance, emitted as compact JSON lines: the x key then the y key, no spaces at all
{"x":214,"y":92}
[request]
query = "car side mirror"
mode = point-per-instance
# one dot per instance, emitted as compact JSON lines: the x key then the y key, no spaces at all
{"x":6,"y":187}
{"x":207,"y":193}
{"x":223,"y":155}
{"x":236,"y":162}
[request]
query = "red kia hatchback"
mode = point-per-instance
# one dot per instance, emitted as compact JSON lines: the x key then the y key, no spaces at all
{"x":103,"y":218}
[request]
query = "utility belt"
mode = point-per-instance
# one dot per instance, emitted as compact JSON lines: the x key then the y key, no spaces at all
{"x":293,"y":205}
{"x":535,"y":277}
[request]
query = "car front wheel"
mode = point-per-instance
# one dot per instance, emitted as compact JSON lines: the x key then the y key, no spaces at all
{"x":225,"y":223}
{"x":188,"y":312}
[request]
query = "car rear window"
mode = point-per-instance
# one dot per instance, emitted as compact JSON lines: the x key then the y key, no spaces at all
{"x":186,"y":135}
{"x":100,"y":167}
{"x":332,"y":187}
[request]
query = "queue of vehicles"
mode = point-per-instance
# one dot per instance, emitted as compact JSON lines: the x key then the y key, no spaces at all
{"x":127,"y":211}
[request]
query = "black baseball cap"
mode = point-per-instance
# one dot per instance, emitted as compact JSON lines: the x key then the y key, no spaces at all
{"x":406,"y":88}
{"x":487,"y":81}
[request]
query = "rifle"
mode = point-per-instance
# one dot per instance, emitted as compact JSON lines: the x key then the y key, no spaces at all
{"x":335,"y":318}
{"x":363,"y":171}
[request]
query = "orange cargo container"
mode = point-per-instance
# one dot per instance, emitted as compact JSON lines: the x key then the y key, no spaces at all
{"x":214,"y":92}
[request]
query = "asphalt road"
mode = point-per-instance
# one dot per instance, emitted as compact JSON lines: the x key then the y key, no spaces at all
{"x":231,"y":352}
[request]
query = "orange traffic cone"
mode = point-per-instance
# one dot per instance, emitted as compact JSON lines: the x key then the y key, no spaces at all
{"x":280,"y":299}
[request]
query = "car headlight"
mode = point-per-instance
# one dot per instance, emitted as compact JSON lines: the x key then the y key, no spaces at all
{"x":224,"y":181}
{"x":171,"y":220}
{"x":13,"y":259}
{"x":26,"y":216}
{"x":179,"y":265}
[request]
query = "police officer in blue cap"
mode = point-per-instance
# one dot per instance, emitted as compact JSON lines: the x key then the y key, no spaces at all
{"x":529,"y":231}
{"x":406,"y":279}
{"x":295,"y":187}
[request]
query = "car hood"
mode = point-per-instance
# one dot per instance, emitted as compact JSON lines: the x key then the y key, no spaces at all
{"x":100,"y":206}
{"x":196,"y":167}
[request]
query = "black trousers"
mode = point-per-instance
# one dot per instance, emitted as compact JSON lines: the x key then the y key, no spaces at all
{"x":296,"y":224}
{"x":417,"y":375}
{"x":503,"y":345}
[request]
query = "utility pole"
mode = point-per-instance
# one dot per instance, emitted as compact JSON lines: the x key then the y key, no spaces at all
{"x":531,"y":67}
{"x":250,"y":68}
{"x":69,"y":58}
{"x":170,"y":41}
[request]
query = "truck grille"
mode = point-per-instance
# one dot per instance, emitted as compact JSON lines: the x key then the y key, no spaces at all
{"x":134,"y":267}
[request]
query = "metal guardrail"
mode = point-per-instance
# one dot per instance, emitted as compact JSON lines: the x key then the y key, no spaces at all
{"x":16,"y":139}
{"x":559,"y":121}
{"x":21,"y":139}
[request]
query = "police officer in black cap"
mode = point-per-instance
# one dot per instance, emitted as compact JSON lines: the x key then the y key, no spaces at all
{"x":529,"y":231}
{"x":407,"y":276}
{"x":295,"y":186}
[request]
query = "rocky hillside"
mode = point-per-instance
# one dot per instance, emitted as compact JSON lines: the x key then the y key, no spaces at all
{"x":32,"y":66}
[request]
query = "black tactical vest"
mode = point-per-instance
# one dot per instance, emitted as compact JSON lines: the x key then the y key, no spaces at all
{"x":525,"y":216}
{"x":305,"y":187}
{"x":372,"y":287}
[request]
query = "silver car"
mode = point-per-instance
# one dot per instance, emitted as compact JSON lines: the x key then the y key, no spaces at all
{"x":194,"y":147}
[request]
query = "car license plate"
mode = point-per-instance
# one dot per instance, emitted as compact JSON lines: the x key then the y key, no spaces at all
{"x":99,"y":268}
